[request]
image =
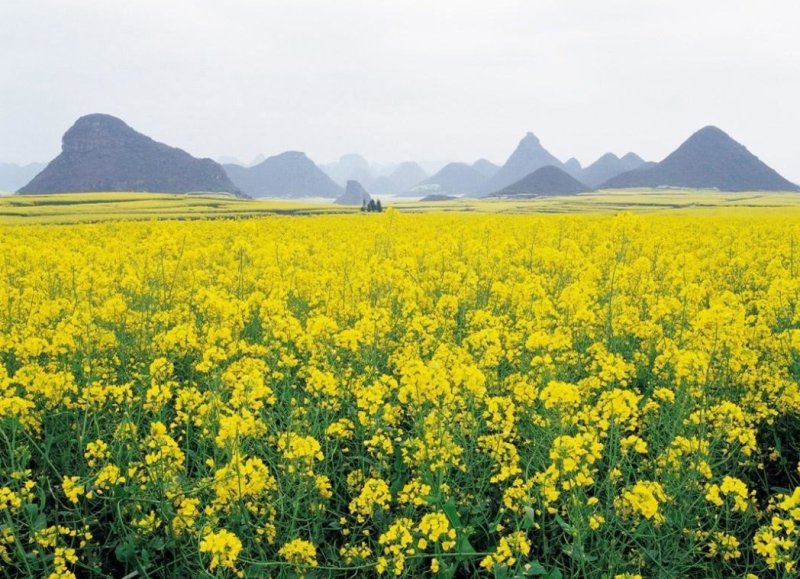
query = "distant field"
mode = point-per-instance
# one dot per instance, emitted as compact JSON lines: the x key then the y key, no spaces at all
{"x":89,"y":207}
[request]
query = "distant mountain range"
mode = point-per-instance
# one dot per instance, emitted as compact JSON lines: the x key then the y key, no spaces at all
{"x":13,"y":176}
{"x":400,"y":180}
{"x":392,"y":180}
{"x":291,"y":175}
{"x":102,"y":153}
{"x":457,"y":179}
{"x":526,"y":158}
{"x":350,"y":167}
{"x":708,"y":159}
{"x":608,"y":166}
{"x":530,"y":155}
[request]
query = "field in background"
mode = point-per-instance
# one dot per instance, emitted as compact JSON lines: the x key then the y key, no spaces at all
{"x":89,"y":207}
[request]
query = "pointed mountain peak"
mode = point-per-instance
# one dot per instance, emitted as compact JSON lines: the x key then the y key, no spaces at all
{"x":710,"y":142}
{"x":711,"y":130}
{"x":529,"y":142}
{"x":711,"y":137}
{"x":573,"y":167}
{"x":526,"y":158}
{"x":530,"y":138}
{"x":708,"y":159}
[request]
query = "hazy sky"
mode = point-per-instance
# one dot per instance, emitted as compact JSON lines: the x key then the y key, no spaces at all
{"x":404,"y":79}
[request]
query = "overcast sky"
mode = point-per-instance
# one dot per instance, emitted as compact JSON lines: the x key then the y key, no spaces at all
{"x":405,"y":79}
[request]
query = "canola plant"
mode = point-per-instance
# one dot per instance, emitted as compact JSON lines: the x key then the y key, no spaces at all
{"x":402,"y":395}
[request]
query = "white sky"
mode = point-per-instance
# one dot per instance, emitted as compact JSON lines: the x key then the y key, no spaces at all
{"x":405,"y":79}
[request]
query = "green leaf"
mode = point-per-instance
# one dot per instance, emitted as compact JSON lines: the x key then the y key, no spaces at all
{"x":447,"y":571}
{"x":40,"y":522}
{"x":563,"y":524}
{"x":125,"y":552}
{"x":31,"y":509}
{"x":158,"y":544}
{"x":534,"y":568}
{"x":462,"y":544}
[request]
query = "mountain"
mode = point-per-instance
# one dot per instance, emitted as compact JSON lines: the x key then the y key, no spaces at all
{"x":573,"y":167}
{"x":13,"y":176}
{"x":709,"y":159}
{"x":548,"y":180}
{"x":400,"y":180}
{"x":260,"y":158}
{"x":349,"y":167}
{"x":102,"y":153}
{"x":526,"y":158}
{"x":227,"y":160}
{"x":452,"y":179}
{"x":485,"y":168}
{"x":608,"y":166}
{"x":289,"y":175}
{"x":354,"y":194}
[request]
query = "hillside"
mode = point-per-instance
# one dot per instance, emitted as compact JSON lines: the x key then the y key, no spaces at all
{"x":289,"y":175}
{"x":709,"y":159}
{"x":102,"y":153}
{"x":548,"y":180}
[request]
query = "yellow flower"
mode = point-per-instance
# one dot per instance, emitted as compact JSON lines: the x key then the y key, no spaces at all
{"x":643,"y":499}
{"x":730,"y":487}
{"x":374,"y":496}
{"x":299,"y":553}
{"x":72,"y":490}
{"x":95,"y":452}
{"x":186,"y":513}
{"x":508,"y":550}
{"x":223,"y":547}
{"x":396,"y":543}
{"x":596,"y":521}
{"x":148,"y":523}
{"x":299,"y":452}
{"x":436,"y":527}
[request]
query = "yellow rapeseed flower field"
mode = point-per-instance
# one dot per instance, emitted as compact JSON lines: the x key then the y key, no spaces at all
{"x":446,"y":394}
